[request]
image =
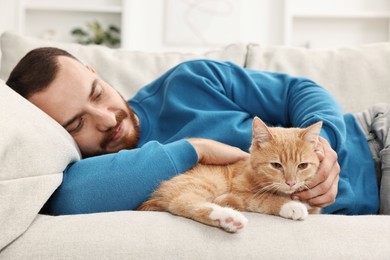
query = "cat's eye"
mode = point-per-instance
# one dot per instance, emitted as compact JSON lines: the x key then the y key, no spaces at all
{"x":276,"y":165}
{"x":303,"y":166}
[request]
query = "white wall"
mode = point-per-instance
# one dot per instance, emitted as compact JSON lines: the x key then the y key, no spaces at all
{"x":8,"y":18}
{"x":259,"y":21}
{"x":144,"y":22}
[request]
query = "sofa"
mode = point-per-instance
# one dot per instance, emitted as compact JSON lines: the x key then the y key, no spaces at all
{"x":34,"y":151}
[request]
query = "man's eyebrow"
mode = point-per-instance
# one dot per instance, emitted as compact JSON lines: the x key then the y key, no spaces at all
{"x":71,"y":121}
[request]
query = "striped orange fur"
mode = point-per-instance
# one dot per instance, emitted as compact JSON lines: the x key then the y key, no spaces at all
{"x":282,"y":161}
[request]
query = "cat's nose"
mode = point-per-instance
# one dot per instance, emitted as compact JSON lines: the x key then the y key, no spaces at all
{"x":291,"y":183}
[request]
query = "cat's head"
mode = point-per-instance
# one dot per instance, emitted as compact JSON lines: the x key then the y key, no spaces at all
{"x":283,"y":159}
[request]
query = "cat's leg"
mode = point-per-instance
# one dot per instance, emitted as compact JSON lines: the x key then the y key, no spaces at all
{"x":279,"y":205}
{"x":197,"y":208}
{"x":230,"y":200}
{"x":227,"y":218}
{"x":295,"y":210}
{"x":312,"y":210}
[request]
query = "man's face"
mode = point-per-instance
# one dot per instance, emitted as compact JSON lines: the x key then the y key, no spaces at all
{"x":94,"y":113}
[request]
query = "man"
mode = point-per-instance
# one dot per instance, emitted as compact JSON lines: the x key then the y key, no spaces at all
{"x":164,"y":130}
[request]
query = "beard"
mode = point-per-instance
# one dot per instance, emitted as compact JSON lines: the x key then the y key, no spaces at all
{"x":129,"y":140}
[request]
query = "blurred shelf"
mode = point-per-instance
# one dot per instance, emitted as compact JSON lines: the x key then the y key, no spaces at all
{"x":311,"y":23}
{"x":340,"y":15}
{"x":64,"y":7}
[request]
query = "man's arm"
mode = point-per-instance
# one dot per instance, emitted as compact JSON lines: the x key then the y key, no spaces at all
{"x":280,"y":100}
{"x":122,"y":181}
{"x":119,"y":181}
{"x":288,"y":101}
{"x":298,"y":102}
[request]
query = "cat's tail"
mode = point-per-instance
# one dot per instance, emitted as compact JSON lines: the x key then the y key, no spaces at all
{"x":152,"y":205}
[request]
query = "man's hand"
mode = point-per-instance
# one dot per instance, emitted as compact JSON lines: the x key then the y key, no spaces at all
{"x":213,"y":152}
{"x":324,"y":186}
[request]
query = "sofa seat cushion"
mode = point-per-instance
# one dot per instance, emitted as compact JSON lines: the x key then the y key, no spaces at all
{"x":160,"y":235}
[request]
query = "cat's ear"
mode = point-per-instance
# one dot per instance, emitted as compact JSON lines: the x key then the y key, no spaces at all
{"x":260,"y":131}
{"x":311,"y":133}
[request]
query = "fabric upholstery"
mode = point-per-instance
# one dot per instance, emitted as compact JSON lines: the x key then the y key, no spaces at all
{"x":127,"y":71}
{"x":358,"y":76}
{"x":159,"y":235}
{"x":34,"y":151}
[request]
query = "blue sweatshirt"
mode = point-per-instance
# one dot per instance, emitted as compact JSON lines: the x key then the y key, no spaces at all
{"x":216,"y":100}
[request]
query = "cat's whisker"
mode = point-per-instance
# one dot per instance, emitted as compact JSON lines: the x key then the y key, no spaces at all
{"x":270,"y":188}
{"x":259,"y":193}
{"x":261,"y":184}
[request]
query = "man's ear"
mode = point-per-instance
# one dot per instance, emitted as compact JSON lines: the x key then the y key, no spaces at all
{"x":90,"y":68}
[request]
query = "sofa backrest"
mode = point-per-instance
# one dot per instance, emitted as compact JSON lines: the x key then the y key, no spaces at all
{"x":127,"y":71}
{"x":357,"y":76}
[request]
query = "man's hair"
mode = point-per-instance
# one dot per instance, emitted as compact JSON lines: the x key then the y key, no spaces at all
{"x":36,"y":70}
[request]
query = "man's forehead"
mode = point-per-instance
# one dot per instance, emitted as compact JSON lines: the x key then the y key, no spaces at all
{"x":68,"y":63}
{"x":66,"y":95}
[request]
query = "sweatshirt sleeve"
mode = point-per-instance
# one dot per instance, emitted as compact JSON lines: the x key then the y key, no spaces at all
{"x":285,"y":100}
{"x":278,"y":99}
{"x":120,"y":181}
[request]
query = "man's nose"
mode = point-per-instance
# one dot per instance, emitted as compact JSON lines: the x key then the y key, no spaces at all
{"x":104,"y":119}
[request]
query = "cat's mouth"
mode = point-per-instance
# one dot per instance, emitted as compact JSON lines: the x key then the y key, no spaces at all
{"x":289,"y":191}
{"x":292,"y":189}
{"x":283,"y":188}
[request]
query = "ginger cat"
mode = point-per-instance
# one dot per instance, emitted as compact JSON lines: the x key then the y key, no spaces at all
{"x":282,"y":161}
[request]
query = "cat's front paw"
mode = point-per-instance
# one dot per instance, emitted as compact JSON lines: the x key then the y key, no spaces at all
{"x":228,"y":219}
{"x":294,"y":210}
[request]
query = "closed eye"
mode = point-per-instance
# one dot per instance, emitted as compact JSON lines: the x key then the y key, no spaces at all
{"x":99,"y":94}
{"x":77,"y":127}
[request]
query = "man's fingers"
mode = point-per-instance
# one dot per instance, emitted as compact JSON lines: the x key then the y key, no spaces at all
{"x":328,"y":198}
{"x":327,"y":167}
{"x":324,"y":193}
{"x":213,"y":152}
{"x":320,"y":149}
{"x":322,"y":189}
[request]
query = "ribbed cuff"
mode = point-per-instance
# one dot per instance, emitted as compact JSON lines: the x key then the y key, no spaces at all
{"x":182,"y":154}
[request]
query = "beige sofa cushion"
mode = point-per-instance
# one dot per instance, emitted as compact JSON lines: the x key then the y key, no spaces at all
{"x":357,"y":76}
{"x":34,"y":151}
{"x":126,"y":70}
{"x":160,"y":235}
